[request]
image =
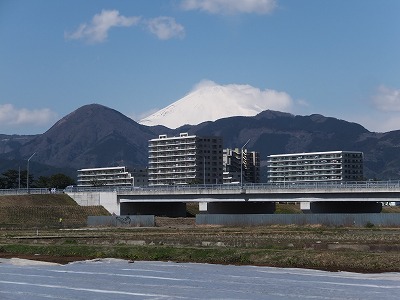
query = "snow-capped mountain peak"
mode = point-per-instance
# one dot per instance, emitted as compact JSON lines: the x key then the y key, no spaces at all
{"x":209,"y":101}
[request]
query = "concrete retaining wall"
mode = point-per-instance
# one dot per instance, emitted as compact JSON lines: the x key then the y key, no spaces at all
{"x":122,"y":221}
{"x":358,"y":220}
{"x":336,"y":207}
{"x":106,"y":199}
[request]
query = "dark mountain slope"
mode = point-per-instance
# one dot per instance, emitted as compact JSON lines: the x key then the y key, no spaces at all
{"x":381,"y":153}
{"x":91,"y":136}
{"x":9,"y":143}
{"x":274,"y":132}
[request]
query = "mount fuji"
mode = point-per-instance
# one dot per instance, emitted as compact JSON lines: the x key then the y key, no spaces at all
{"x":209,"y":101}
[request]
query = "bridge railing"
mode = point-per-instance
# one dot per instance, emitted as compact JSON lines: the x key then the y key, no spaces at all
{"x":323,"y":185}
{"x":28,"y":191}
{"x":361,"y":185}
{"x":271,"y":186}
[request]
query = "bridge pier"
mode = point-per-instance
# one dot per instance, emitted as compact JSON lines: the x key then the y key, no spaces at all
{"x":332,"y":207}
{"x":237,"y":207}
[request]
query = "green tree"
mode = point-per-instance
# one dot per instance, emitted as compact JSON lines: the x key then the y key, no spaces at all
{"x":60,"y":181}
{"x":42,"y":182}
{"x":2,"y":183}
{"x":12,"y":179}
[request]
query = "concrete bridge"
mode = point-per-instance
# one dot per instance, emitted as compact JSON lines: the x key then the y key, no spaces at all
{"x":321,"y":197}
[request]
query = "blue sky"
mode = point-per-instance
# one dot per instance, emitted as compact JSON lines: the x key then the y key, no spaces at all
{"x":336,"y":58}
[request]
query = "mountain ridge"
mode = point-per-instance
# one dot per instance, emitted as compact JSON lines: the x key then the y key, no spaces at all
{"x":98,"y":136}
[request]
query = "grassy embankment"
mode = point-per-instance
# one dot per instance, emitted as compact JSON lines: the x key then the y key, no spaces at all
{"x":350,"y":249}
{"x":44,"y":211}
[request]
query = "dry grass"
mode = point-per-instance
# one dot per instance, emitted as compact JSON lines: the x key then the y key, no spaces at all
{"x":391,"y":209}
{"x":24,"y":211}
{"x":37,"y":200}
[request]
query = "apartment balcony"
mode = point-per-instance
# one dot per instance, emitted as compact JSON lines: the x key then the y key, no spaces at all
{"x":172,"y":177}
{"x":157,"y":158}
{"x":172,"y":166}
{"x":171,"y":148}
{"x":171,"y":170}
{"x":302,"y":159}
{"x":175,"y":153}
{"x":171,"y":161}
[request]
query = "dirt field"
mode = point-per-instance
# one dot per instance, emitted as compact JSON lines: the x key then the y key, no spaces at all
{"x":178,"y":239}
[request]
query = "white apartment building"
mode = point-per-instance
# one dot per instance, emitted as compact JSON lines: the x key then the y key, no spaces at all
{"x":316,"y":166}
{"x":110,"y":176}
{"x":185,"y":159}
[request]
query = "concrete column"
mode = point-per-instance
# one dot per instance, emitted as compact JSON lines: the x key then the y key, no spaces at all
{"x":305,"y":207}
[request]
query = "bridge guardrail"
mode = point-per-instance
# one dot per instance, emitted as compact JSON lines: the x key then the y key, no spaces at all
{"x":346,"y":185}
{"x":25,"y":191}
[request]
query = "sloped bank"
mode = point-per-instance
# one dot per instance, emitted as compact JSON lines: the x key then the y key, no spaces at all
{"x":45,"y":211}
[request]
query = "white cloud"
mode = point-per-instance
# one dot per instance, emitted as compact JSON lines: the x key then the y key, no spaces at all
{"x":386,"y":123}
{"x":97,"y":30}
{"x":249,"y":96}
{"x":376,"y":121}
{"x":165,"y":28}
{"x":303,"y":103}
{"x":383,"y":115}
{"x":387,"y":99}
{"x":205,"y":83}
{"x":11,"y":116}
{"x":231,"y":7}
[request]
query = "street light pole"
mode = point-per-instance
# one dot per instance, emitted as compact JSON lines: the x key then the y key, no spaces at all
{"x":27,"y":173}
{"x":241,"y":163}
